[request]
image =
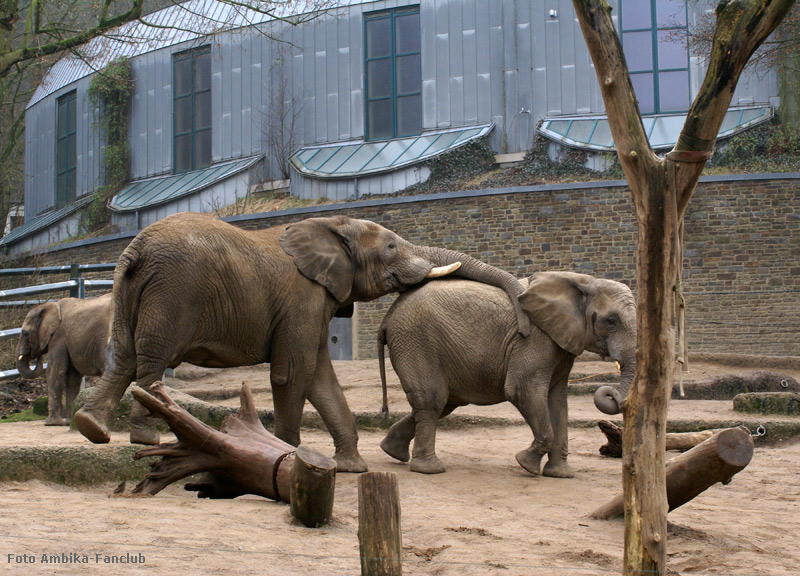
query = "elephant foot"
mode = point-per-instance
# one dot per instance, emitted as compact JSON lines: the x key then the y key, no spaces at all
{"x":94,"y":430}
{"x":146,"y":436}
{"x":56,"y":421}
{"x":352,"y":462}
{"x":396,"y":448}
{"x":432,"y":465}
{"x":531,"y":461}
{"x":558,"y":469}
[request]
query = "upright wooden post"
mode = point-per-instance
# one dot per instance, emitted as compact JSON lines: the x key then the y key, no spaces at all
{"x":379,"y":537}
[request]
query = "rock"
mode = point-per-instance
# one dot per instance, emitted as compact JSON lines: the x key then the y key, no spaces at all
{"x":787,"y":403}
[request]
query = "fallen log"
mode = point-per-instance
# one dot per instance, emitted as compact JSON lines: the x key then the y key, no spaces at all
{"x":241,"y":458}
{"x":717,"y":459}
{"x":681,"y":441}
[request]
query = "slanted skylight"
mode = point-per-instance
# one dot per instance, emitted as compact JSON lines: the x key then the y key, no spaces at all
{"x":154,"y":191}
{"x":351,"y":159}
{"x":593,"y":132}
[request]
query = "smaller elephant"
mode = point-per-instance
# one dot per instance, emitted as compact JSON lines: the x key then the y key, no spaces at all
{"x":74,"y":334}
{"x":454,"y":342}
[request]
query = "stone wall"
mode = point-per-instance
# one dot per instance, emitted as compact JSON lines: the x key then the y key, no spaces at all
{"x":742,"y":248}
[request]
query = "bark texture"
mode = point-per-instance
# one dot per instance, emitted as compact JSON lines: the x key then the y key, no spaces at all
{"x":379,"y":536}
{"x":661,"y":190}
{"x":717,"y":459}
{"x":241,"y":458}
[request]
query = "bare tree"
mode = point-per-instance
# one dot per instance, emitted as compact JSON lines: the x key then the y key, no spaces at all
{"x":282,"y":114}
{"x":35,"y":33}
{"x":661,"y":190}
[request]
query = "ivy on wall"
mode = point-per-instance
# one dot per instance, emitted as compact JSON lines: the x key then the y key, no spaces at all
{"x":110,"y":95}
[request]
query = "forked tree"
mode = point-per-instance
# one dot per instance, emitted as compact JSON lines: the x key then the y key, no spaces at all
{"x":661,"y":189}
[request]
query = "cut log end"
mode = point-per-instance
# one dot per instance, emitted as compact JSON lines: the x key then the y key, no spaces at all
{"x":312,"y":484}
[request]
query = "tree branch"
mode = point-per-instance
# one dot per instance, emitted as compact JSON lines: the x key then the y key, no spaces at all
{"x":611,"y":67}
{"x":8,"y":59}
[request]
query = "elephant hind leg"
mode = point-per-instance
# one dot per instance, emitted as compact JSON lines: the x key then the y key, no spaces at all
{"x":424,"y":458}
{"x":399,"y":438}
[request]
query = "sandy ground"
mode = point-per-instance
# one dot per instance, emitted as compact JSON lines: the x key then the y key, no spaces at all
{"x":485,"y":515}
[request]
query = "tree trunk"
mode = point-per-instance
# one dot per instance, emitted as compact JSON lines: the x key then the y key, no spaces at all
{"x":661,"y":190}
{"x":681,"y":441}
{"x":241,"y":458}
{"x":379,"y":536}
{"x":717,"y":459}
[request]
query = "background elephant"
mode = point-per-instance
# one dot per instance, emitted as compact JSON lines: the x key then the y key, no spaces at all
{"x":453,"y":343}
{"x":73,"y":333}
{"x":191,"y":288}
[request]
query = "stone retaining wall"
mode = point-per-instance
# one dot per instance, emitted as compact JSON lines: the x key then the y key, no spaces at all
{"x":742,"y":248}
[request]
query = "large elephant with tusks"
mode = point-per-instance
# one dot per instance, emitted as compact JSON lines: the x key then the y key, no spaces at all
{"x":191,"y":288}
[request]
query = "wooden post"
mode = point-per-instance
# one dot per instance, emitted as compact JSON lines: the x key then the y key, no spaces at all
{"x":379,"y":537}
{"x":313,"y":479}
{"x":717,"y":459}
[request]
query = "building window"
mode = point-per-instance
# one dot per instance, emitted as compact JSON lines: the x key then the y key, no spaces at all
{"x":66,"y":154}
{"x":393,"y":73}
{"x":654,"y":40}
{"x":191,"y":73}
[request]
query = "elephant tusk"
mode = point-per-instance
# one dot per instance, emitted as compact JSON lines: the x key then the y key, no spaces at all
{"x":21,"y":356}
{"x":440,"y":271}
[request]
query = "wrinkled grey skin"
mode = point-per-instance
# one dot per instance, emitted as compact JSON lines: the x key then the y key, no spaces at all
{"x":191,"y":288}
{"x":453,"y":343}
{"x":73,"y":333}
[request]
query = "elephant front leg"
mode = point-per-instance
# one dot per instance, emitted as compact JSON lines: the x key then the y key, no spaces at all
{"x":73,"y":388}
{"x":326,"y":395}
{"x":556,"y":466}
{"x":56,"y":384}
{"x":531,"y":401}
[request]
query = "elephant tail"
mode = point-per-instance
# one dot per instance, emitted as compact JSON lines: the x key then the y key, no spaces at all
{"x":120,"y":311}
{"x":382,"y":365}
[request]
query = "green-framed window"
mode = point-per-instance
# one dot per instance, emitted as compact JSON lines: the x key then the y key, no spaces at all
{"x":654,"y":40}
{"x":393,"y":73}
{"x":66,"y":149}
{"x":191,"y":75}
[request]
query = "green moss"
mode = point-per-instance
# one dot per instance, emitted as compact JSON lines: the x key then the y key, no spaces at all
{"x":72,"y":465}
{"x":25,"y":416}
{"x":40,"y":406}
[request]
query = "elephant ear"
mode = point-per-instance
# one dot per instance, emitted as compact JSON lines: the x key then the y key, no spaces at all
{"x":320,"y":254}
{"x":48,"y":322}
{"x":556,"y":302}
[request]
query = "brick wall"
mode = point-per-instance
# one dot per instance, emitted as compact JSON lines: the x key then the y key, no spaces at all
{"x":742,"y":248}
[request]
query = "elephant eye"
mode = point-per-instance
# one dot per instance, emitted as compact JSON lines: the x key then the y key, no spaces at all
{"x":392,"y":246}
{"x":611,"y":322}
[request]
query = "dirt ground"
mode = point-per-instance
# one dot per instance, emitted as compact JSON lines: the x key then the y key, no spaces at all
{"x":485,"y":515}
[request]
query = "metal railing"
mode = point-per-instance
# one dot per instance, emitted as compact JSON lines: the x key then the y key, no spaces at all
{"x":77,"y":286}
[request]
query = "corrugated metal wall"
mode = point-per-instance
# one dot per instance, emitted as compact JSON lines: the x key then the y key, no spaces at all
{"x":504,"y":61}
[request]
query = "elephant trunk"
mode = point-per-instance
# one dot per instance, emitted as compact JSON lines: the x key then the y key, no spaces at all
{"x":473,"y":269}
{"x":24,"y":366}
{"x":609,"y":399}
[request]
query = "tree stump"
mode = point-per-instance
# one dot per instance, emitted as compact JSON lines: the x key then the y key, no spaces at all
{"x":674,"y":440}
{"x":241,"y":458}
{"x":379,"y":536}
{"x":313,"y":479}
{"x":717,"y":459}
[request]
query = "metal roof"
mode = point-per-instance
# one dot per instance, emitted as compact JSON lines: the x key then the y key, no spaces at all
{"x":358,"y":158}
{"x":163,"y":189}
{"x":43,"y":222}
{"x":172,"y":25}
{"x":594,"y":133}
